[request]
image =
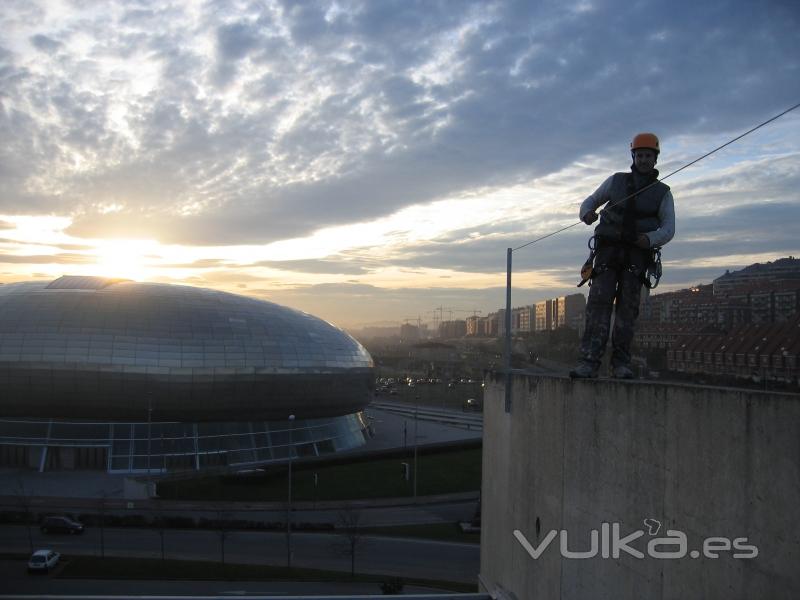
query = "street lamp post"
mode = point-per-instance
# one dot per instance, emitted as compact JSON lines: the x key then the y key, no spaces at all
{"x":289,"y":499}
{"x":102,"y":525}
{"x":149,"y":438}
{"x":416,"y":408}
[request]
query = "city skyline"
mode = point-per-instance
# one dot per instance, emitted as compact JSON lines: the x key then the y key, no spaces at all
{"x":367,"y":162}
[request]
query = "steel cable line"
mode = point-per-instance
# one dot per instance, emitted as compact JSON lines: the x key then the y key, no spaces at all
{"x":706,"y":155}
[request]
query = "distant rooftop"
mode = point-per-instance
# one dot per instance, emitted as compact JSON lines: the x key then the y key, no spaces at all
{"x":781,"y":266}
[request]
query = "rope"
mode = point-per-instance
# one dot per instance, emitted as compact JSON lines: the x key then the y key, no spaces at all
{"x":687,"y":165}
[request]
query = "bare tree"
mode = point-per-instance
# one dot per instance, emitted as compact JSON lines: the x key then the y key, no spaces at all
{"x":348,"y":525}
{"x":103,"y":525}
{"x":161,"y":524}
{"x":222,"y":531}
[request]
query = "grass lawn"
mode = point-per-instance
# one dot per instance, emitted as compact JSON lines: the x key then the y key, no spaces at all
{"x":439,"y":473}
{"x":90,"y":567}
{"x":442,"y":532}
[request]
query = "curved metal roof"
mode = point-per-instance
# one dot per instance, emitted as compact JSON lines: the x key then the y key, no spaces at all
{"x":102,"y":348}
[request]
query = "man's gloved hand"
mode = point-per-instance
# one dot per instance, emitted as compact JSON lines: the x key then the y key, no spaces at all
{"x":639,"y":240}
{"x":590,"y":217}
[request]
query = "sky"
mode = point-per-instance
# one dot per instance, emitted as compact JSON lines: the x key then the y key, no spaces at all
{"x":371,"y":161}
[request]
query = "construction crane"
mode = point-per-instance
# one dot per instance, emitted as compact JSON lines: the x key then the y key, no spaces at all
{"x":474,"y":312}
{"x":441,"y":310}
{"x":418,"y":319}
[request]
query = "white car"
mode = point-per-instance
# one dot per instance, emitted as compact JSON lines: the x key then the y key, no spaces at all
{"x":43,"y":561}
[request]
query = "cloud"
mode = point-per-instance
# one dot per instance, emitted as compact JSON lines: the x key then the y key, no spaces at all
{"x":340,"y":302}
{"x":77,"y":247}
{"x":321,"y":266}
{"x":45,"y":259}
{"x":45,"y":44}
{"x":304,"y":116}
{"x":203,"y":263}
{"x":229,"y":124}
{"x":236,"y":40}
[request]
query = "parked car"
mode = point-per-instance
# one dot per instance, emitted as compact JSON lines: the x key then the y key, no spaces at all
{"x":472,"y":405}
{"x":42,"y":561}
{"x":61,"y":524}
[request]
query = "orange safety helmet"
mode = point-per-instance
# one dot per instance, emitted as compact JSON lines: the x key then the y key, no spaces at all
{"x":645,"y":140}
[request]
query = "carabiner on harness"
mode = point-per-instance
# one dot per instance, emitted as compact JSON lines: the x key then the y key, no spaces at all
{"x":652,"y":274}
{"x":587,"y":270}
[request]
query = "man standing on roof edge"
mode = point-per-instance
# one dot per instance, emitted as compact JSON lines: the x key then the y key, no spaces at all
{"x":639,"y":216}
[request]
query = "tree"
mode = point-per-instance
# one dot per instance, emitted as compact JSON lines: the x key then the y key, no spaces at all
{"x":348,"y":525}
{"x":103,"y":525}
{"x":222,"y":531}
{"x":160,"y":522}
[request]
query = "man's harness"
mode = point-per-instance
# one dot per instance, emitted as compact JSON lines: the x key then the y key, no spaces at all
{"x":650,"y":275}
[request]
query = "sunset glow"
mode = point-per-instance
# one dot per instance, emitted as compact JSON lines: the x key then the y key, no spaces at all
{"x":312,"y":155}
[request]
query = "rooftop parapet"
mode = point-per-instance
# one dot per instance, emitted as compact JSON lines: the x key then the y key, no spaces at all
{"x":612,"y":489}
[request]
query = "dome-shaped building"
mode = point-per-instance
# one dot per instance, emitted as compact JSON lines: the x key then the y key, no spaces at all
{"x":140,"y":377}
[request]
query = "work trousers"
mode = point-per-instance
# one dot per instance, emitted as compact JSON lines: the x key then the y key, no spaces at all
{"x":616,"y":288}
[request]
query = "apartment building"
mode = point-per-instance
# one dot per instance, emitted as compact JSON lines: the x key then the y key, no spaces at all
{"x":452,"y":329}
{"x":651,"y":335}
{"x":522,"y":319}
{"x":473,"y":325}
{"x":758,"y":273}
{"x":766,"y":351}
{"x":759,"y":303}
{"x":765,"y":302}
{"x":570,"y":311}
{"x":543,"y":315}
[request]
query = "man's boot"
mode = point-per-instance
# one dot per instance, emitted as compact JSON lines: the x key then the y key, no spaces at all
{"x":583,"y":370}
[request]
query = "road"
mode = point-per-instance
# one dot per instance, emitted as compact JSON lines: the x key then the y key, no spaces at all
{"x":19,"y":585}
{"x":376,"y":554}
{"x":451,"y":509}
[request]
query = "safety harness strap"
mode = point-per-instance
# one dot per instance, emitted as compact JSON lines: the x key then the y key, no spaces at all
{"x":650,"y":275}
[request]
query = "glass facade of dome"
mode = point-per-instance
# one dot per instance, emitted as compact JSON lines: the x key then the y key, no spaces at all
{"x":87,"y":362}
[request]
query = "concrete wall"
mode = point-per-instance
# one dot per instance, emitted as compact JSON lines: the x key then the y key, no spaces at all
{"x":573,"y":455}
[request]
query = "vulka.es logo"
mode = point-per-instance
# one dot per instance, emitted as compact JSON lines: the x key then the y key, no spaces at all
{"x":607,"y":542}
